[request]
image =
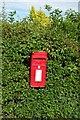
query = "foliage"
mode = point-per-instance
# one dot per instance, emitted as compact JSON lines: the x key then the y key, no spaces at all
{"x":11,"y":16}
{"x":48,"y":7}
{"x":60,"y":97}
{"x":39,"y":17}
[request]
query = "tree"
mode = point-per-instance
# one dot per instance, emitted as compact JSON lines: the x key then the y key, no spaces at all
{"x":39,"y":17}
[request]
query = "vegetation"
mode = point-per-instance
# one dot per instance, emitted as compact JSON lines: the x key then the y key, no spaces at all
{"x":39,"y":17}
{"x":59,"y":36}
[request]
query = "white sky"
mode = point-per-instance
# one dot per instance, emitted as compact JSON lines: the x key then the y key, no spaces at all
{"x":40,"y":0}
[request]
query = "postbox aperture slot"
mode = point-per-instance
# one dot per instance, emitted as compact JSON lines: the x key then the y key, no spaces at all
{"x":39,"y":58}
{"x":39,"y":65}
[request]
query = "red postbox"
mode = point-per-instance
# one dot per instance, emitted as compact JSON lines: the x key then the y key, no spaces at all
{"x":38,"y":69}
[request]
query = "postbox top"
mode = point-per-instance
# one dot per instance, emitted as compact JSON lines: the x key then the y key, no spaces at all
{"x":41,"y":54}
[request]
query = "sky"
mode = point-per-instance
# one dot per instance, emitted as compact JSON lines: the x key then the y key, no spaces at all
{"x":41,"y":0}
{"x":22,"y":7}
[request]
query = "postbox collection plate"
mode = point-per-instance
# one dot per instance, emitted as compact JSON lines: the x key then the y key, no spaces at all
{"x":38,"y":69}
{"x":38,"y":76}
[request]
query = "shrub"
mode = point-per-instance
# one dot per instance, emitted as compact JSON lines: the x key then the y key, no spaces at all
{"x":60,"y":97}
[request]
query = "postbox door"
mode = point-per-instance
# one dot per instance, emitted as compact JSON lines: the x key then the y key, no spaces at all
{"x":38,"y":73}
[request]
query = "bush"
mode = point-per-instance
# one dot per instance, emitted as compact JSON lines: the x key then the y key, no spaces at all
{"x":60,"y":97}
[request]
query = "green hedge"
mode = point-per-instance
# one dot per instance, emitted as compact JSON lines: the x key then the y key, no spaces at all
{"x":60,"y":97}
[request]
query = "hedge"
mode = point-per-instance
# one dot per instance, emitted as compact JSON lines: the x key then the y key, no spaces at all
{"x":60,"y":97}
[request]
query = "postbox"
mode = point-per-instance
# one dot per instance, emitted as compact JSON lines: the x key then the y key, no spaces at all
{"x":38,"y":69}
